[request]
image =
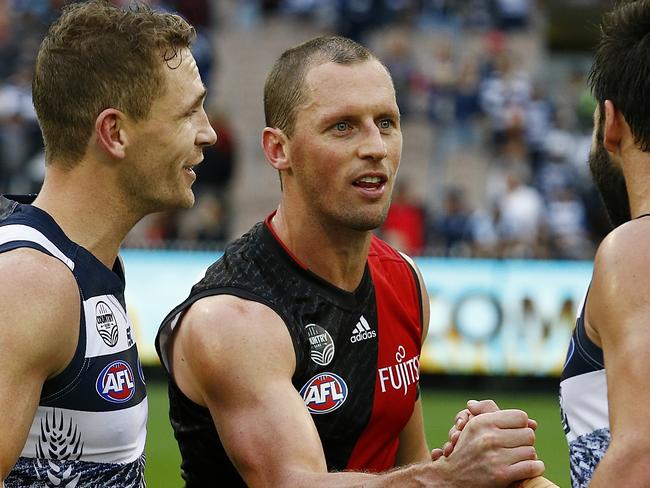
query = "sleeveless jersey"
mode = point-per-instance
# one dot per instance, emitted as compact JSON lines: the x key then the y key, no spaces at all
{"x":357,"y":354}
{"x":583,"y":404}
{"x":90,"y":427}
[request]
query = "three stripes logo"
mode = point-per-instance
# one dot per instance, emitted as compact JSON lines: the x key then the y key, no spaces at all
{"x":321,"y":345}
{"x":362,"y":331}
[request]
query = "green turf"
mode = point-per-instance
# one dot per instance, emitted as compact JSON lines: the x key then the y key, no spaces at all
{"x":163,"y":460}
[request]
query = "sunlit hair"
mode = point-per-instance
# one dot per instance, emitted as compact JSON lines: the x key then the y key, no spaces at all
{"x":98,"y":56}
{"x":284,"y":91}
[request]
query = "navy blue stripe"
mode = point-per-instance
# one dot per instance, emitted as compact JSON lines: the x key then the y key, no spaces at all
{"x":11,"y":245}
{"x":584,"y":355}
{"x":85,"y":395}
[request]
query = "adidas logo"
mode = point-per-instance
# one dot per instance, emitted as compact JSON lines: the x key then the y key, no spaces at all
{"x":362,"y":331}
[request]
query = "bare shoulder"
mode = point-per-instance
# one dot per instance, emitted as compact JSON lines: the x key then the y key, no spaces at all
{"x":40,"y":308}
{"x":622,"y":257}
{"x":220,"y":332}
{"x":620,"y":285}
{"x":225,"y":320}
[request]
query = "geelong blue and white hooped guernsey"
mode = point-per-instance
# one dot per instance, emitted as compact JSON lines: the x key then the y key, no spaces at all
{"x":583,"y":404}
{"x":90,"y":426}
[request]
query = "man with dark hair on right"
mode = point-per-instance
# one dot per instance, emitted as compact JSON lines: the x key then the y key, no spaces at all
{"x":604,"y":390}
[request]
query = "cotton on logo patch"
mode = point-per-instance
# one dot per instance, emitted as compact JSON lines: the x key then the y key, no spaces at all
{"x":324,"y":393}
{"x":115,"y":382}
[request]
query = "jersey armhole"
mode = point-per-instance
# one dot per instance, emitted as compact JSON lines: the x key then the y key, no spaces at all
{"x":67,"y":379}
{"x":411,"y":264}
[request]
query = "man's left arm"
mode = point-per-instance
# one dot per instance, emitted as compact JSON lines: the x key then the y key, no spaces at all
{"x":618,"y":310}
{"x":412,"y":441}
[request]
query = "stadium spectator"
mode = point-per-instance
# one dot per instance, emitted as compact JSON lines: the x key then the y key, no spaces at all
{"x":504,"y":96}
{"x":512,"y":14}
{"x":405,"y":224}
{"x":521,"y":211}
{"x":399,"y":60}
{"x":453,"y":226}
{"x":113,"y":156}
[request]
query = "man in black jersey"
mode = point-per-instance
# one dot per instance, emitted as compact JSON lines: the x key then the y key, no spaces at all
{"x":119,"y":100}
{"x":283,"y":356}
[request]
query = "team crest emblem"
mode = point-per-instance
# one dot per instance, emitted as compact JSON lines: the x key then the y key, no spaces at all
{"x":106,"y":324}
{"x":321,"y":345}
{"x":115,"y":383}
{"x":324,"y":393}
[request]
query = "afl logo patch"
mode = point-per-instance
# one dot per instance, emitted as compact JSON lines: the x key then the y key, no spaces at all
{"x":324,"y":393}
{"x":106,"y":324}
{"x":115,"y":383}
{"x":321,"y":345}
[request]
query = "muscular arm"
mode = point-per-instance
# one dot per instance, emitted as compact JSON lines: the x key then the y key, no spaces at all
{"x":618,"y":318}
{"x":266,"y":428}
{"x":39,"y":323}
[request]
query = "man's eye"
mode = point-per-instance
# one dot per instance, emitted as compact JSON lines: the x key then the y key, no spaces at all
{"x":385,"y":124}
{"x":342,"y":126}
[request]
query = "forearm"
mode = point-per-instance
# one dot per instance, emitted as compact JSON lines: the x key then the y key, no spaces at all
{"x":622,"y":466}
{"x":414,"y":476}
{"x":420,"y":475}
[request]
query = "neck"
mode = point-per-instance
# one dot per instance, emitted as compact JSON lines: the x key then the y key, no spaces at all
{"x":335,"y":254}
{"x":89,"y":207}
{"x":637,"y":180}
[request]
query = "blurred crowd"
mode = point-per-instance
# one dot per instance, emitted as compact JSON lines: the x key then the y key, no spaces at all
{"x":529,"y":137}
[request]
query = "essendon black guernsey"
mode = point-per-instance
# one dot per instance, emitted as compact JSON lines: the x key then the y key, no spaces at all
{"x":357,"y":354}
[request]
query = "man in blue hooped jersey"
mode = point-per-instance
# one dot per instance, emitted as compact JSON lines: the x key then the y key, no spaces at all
{"x":120,"y":103}
{"x":604,"y":391}
{"x":604,"y":387}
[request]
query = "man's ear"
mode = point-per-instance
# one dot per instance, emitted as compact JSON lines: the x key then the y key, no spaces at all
{"x":614,"y":127}
{"x":276,"y":148}
{"x":110,"y":132}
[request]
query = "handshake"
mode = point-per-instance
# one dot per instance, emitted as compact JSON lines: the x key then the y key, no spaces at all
{"x":500,"y":442}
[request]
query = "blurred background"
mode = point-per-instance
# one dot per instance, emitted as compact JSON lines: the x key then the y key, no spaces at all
{"x":493,"y":199}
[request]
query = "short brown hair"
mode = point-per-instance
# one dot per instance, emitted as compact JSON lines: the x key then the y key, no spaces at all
{"x":97,"y":56}
{"x":284,"y":88}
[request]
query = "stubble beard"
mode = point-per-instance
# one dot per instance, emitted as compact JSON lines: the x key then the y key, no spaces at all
{"x":365,"y":221}
{"x":609,"y":179}
{"x":145,"y":196}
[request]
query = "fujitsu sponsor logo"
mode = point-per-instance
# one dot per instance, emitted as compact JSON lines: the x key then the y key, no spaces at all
{"x":401,"y":375}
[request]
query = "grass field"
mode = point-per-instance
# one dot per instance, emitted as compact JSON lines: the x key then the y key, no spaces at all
{"x":163,"y":460}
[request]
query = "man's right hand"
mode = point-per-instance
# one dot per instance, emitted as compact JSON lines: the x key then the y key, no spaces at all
{"x":493,"y":448}
{"x":474,"y":408}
